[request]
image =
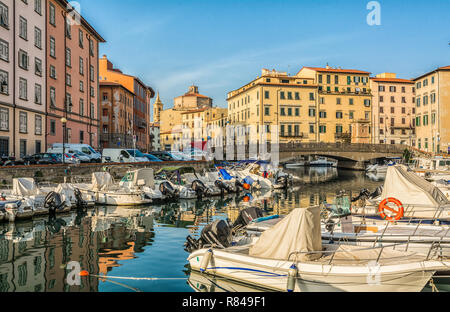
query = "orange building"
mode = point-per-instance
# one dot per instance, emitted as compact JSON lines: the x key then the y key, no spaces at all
{"x":72,"y":76}
{"x":116,"y":121}
{"x":141,"y":100}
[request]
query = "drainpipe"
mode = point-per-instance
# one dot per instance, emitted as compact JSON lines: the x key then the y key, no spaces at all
{"x":14,"y":80}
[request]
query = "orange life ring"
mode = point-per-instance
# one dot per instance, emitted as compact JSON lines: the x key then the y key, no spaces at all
{"x":398,"y":214}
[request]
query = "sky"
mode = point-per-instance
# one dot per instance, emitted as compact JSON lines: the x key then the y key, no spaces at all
{"x":222,"y":45}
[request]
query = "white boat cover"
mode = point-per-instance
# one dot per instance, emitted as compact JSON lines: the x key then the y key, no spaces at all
{"x":101,"y":181}
{"x":146,"y":175}
{"x":300,"y":231}
{"x":410,"y":189}
{"x":25,"y":187}
{"x":67,"y":192}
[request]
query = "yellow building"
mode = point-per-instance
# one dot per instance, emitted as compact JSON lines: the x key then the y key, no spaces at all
{"x":317,"y":105}
{"x":171,"y":120}
{"x":433,"y":111}
{"x":344,"y":104}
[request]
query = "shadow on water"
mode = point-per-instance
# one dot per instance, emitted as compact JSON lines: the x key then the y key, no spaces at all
{"x":146,"y":241}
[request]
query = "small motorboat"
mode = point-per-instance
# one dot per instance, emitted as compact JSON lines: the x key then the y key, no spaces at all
{"x":324,"y":162}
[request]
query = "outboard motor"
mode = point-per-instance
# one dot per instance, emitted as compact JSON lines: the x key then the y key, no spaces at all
{"x":239,"y":186}
{"x":246,"y":216}
{"x":199,"y":188}
{"x":80,"y":202}
{"x":167,"y":190}
{"x":377,"y":192}
{"x":283,"y":180}
{"x":53,"y":202}
{"x":364,"y":194}
{"x":217,"y":234}
{"x":223,"y":186}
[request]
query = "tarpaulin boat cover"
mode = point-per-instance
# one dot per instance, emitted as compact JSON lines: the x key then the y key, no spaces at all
{"x":25,"y":187}
{"x":101,"y":181}
{"x":300,"y":231}
{"x":67,"y":192}
{"x":146,"y":175}
{"x":226,"y":176}
{"x":410,"y":189}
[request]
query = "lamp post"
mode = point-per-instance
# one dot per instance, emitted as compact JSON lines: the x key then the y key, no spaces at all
{"x":64,"y":122}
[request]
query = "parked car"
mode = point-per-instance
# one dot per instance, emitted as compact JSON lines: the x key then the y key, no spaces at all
{"x":180,"y":156}
{"x":118,"y":155}
{"x":42,"y":159}
{"x":164,"y":156}
{"x":82,"y":156}
{"x":95,"y":157}
{"x":152,"y":158}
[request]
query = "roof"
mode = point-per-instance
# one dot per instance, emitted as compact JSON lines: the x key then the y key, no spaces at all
{"x":196,"y":111}
{"x":337,"y":70}
{"x":433,"y":71}
{"x":197,"y":95}
{"x":114,"y":84}
{"x":392,"y":80}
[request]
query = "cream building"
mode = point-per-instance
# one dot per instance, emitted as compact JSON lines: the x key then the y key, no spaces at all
{"x":393,"y":110}
{"x":22,"y":77}
{"x":433,"y":111}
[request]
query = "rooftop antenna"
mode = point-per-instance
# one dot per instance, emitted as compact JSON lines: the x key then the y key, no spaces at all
{"x":289,"y":70}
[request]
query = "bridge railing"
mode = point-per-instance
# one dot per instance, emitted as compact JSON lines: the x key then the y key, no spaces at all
{"x":343,"y":147}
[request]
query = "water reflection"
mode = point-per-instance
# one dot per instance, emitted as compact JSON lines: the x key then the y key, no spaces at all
{"x":142,"y":242}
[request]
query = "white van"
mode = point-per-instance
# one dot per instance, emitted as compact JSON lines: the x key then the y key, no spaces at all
{"x":83,"y":148}
{"x":83,"y":158}
{"x":123,"y":155}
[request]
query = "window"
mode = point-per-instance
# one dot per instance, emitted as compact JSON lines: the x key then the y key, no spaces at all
{"x":297,"y":111}
{"x":339,"y":115}
{"x":282,"y":96}
{"x":81,"y":86}
{"x":38,"y":125}
{"x":91,"y":47}
{"x":350,"y":101}
{"x":322,"y":129}
{"x":418,"y":102}
{"x":38,"y":6}
{"x":22,"y":268}
{"x":4,"y":50}
{"x":339,"y":129}
{"x":23,"y":89}
{"x":68,"y":57}
{"x":4,"y":82}
{"x":312,"y":112}
{"x":336,"y":79}
{"x":392,"y":110}
{"x":23,"y":28}
{"x":92,"y":111}
{"x":289,"y":111}
{"x":312,"y":129}
{"x":69,"y":102}
{"x":68,"y":80}
{"x":92,"y":73}
{"x":81,"y":107}
{"x":38,"y":67}
{"x":4,"y":119}
{"x":328,"y":79}
{"x":68,"y":29}
{"x":52,"y":14}
{"x":37,"y":38}
{"x":338,"y":101}
{"x":92,"y":92}
{"x":433,"y":118}
{"x":323,"y":114}
{"x":52,"y":127}
{"x":311,"y":97}
{"x":81,"y":66}
{"x":52,"y":47}
{"x":381,"y":88}
{"x":289,"y":95}
{"x":266,"y":94}
{"x":23,"y":122}
{"x":23,"y":59}
{"x":320,"y":79}
{"x":351,"y":115}
{"x":283,"y":112}
{"x":381,"y":99}
{"x":37,"y":94}
{"x":425,"y":100}
{"x":4,"y":18}
{"x":393,"y":89}
{"x":52,"y":72}
{"x":80,"y":39}
{"x":52,"y":97}
{"x":266,"y":111}
{"x":297,"y":96}
{"x":403,"y":100}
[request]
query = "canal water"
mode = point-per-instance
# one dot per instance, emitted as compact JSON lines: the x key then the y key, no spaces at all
{"x":135,"y":244}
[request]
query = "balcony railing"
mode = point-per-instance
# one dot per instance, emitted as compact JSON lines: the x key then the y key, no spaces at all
{"x":292,"y":135}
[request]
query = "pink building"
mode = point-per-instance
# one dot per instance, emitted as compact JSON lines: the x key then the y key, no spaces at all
{"x":72,"y":71}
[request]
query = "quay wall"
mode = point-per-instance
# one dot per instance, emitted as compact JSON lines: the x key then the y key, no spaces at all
{"x":57,"y":173}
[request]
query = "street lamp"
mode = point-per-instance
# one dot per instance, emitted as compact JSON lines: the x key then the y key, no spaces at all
{"x":64,"y":122}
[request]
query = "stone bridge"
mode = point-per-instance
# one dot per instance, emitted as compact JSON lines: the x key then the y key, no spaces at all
{"x":350,"y":156}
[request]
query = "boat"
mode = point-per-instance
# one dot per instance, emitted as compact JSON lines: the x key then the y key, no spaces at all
{"x":107,"y":192}
{"x":290,"y":256}
{"x":297,"y":163}
{"x":323,"y":162}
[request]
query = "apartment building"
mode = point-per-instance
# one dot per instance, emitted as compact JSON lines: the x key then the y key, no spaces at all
{"x":141,"y":101}
{"x":344,"y":104}
{"x":393,"y":110}
{"x":22,"y":77}
{"x":274,"y":99}
{"x":72,"y":67}
{"x":432,"y":101}
{"x":116,"y":121}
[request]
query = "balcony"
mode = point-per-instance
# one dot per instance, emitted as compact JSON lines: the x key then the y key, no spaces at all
{"x":292,"y":135}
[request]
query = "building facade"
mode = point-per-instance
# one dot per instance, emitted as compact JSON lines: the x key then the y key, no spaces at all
{"x":22,"y":77}
{"x":73,"y":86}
{"x":432,"y":101}
{"x":141,"y":101}
{"x":116,"y":121}
{"x":393,"y":110}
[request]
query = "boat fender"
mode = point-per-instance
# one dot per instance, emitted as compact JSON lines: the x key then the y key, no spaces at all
{"x":205,"y":261}
{"x":292,"y":277}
